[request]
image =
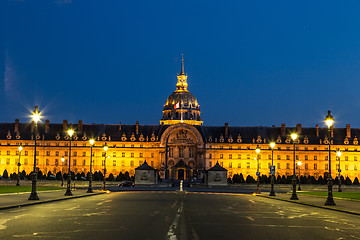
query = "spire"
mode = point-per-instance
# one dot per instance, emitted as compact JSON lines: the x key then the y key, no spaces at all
{"x":182,"y":64}
{"x":182,"y":78}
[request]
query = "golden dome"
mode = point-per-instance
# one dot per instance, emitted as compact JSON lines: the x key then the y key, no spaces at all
{"x":181,"y":106}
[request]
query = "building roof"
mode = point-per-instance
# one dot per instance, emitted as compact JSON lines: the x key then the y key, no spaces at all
{"x":217,"y":167}
{"x":144,"y":166}
{"x":153,"y":133}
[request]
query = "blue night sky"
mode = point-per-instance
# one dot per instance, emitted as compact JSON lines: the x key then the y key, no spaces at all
{"x":249,"y":63}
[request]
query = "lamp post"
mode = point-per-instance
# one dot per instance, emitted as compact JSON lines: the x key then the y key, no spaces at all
{"x":68,"y":186}
{"x":299,"y":165}
{"x":35,"y":118}
{"x":92,"y":141}
{"x":329,"y":120}
{"x":272,"y":192}
{"x":19,"y":164}
{"x":294,"y":196}
{"x":62,"y":172}
{"x":104,"y":182}
{"x":338,"y":153}
{"x":257,"y":150}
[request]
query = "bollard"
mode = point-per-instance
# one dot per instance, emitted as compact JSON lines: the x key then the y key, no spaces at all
{"x":181,"y":186}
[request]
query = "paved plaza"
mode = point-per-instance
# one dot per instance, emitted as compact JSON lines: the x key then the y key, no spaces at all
{"x":150,"y":213}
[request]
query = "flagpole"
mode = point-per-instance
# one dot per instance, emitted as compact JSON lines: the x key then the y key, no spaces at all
{"x":181,"y":113}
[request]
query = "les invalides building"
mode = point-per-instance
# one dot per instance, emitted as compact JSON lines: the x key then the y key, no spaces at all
{"x":181,"y":144}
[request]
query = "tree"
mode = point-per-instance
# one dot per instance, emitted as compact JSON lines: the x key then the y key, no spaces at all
{"x":264,"y":179}
{"x":303,"y":179}
{"x":229,"y":180}
{"x":289,"y":179}
{"x":58,"y":176}
{"x":13,"y":176}
{"x":72,"y":176}
{"x":101,"y":176}
{"x":236,"y":178}
{"x":120,"y":177}
{"x":48,"y":176}
{"x":348,"y":181}
{"x":5,"y":174}
{"x":321,"y":180}
{"x":22,"y":175}
{"x":356,"y":181}
{"x":39,"y":175}
{"x":127,"y":176}
{"x":78,"y":176}
{"x":241,"y":178}
{"x":111,"y":177}
{"x":250,"y":179}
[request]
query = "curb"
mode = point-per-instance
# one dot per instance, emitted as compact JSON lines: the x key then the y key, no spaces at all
{"x":48,"y":201}
{"x":311,"y":205}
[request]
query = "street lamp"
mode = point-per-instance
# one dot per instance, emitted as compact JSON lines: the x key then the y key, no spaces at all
{"x":294,"y":196}
{"x":104,"y":182}
{"x":329,"y":120}
{"x":68,"y":187}
{"x":62,"y":172}
{"x":92,"y":142}
{"x":19,"y":164}
{"x":35,"y":118}
{"x":257,"y":150}
{"x":338,"y":153}
{"x":272,"y":192}
{"x":299,"y":165}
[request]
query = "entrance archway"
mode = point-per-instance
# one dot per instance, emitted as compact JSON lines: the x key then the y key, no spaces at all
{"x":181,"y":174}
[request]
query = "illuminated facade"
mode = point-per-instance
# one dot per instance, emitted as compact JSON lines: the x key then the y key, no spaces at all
{"x":180,"y":143}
